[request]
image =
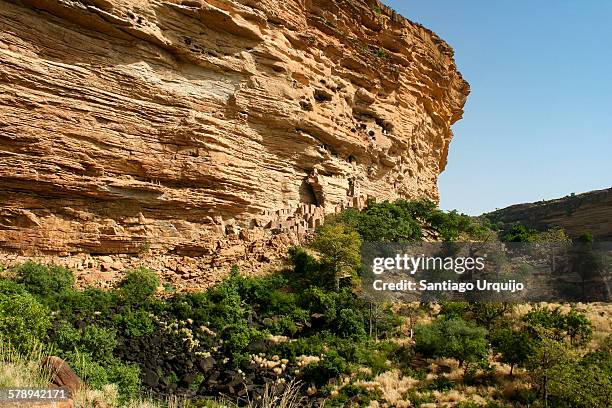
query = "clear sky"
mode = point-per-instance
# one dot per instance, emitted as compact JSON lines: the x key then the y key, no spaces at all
{"x":538,"y":123}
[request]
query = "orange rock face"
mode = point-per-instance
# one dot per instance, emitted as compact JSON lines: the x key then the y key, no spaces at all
{"x":221,"y":130}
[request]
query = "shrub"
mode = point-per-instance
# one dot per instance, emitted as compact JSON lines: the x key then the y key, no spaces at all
{"x":307,"y":346}
{"x":329,"y":305}
{"x":88,"y":304}
{"x":519,"y":233}
{"x":134,"y":324}
{"x":545,"y":363}
{"x":487,"y":314}
{"x":354,"y":395}
{"x":44,"y":280}
{"x":9,"y":287}
{"x":388,"y":222}
{"x":578,"y":327}
{"x":332,"y":365}
{"x":350,"y":324}
{"x":236,"y":339}
{"x":586,"y":238}
{"x":96,"y":341}
{"x":23,"y":320}
{"x":139,"y":286}
{"x":454,"y":338}
{"x":126,"y":376}
{"x":308,"y":268}
{"x":400,"y":221}
{"x":583,"y":384}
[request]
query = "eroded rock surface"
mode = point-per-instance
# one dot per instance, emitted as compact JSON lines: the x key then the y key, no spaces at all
{"x":221,"y":130}
{"x":577,"y":214}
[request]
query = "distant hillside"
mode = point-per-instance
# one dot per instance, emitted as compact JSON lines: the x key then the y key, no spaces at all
{"x":588,"y":212}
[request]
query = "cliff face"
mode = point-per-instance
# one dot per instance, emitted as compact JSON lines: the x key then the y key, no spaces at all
{"x":218,"y":130}
{"x":577,"y":214}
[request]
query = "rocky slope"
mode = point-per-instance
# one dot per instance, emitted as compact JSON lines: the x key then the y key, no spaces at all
{"x":210,"y":132}
{"x":577,"y":214}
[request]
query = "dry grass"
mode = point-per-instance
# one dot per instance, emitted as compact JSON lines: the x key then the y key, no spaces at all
{"x":17,"y":370}
{"x":393,"y":387}
{"x":511,"y":387}
{"x":290,"y":397}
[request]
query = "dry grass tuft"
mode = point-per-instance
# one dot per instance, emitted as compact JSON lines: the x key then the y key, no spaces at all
{"x":17,"y":370}
{"x":394,"y":386}
{"x":290,"y":397}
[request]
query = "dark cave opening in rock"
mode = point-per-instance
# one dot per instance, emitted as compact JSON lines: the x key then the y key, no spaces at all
{"x":307,"y":193}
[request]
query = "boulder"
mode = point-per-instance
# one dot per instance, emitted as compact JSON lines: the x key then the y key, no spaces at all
{"x":62,"y":374}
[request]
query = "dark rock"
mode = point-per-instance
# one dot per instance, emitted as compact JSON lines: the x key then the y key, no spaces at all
{"x":188,"y":379}
{"x":206,"y":364}
{"x":151,"y":378}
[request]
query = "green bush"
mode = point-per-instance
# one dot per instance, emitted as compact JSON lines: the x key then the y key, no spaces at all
{"x":308,"y":346}
{"x":303,"y":263}
{"x":581,"y":386}
{"x":353,"y":395}
{"x":23,"y":320}
{"x":402,"y":221}
{"x":134,"y":324}
{"x":98,"y":342}
{"x":126,"y":376}
{"x":519,"y":233}
{"x":9,"y":287}
{"x":388,"y":222}
{"x":454,"y":338}
{"x":139,"y":286}
{"x":44,"y":280}
{"x":376,"y":356}
{"x":332,"y":365}
{"x":87,"y":304}
{"x":349,"y":324}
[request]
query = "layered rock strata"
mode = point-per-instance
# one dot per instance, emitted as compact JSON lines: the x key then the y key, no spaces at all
{"x":577,"y":214}
{"x":219,"y":130}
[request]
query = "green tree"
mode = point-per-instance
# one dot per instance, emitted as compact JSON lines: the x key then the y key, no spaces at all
{"x":23,"y":320}
{"x":388,"y":222}
{"x":573,"y":325}
{"x":545,"y":364}
{"x":578,"y":327}
{"x":580,"y":384}
{"x":454,"y":338}
{"x":339,"y":247}
{"x":515,"y":347}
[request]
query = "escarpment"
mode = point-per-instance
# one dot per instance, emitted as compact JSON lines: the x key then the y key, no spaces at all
{"x":577,"y":214}
{"x":215,"y":131}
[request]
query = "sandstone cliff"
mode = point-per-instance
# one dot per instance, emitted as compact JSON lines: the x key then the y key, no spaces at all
{"x":218,"y":130}
{"x":577,"y":214}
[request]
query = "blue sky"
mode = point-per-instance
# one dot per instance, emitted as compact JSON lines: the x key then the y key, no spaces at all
{"x":538,"y":123}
